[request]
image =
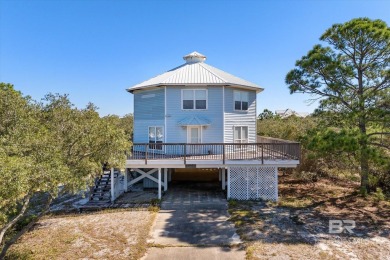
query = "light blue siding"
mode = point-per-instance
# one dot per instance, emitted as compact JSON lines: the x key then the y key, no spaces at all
{"x":212,"y":133}
{"x":239,"y":118}
{"x":148,"y":183}
{"x":149,"y":104}
{"x":148,"y":111}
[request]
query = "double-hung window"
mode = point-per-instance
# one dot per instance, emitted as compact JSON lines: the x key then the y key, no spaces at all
{"x":194,"y":99}
{"x":240,"y":134}
{"x":241,"y":100}
{"x":156,"y":137}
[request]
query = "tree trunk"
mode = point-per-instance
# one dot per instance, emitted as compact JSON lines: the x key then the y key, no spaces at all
{"x":26,"y":228}
{"x":16,"y":218}
{"x":364,"y":168}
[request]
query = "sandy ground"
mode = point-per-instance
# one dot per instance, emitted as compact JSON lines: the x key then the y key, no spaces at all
{"x":298,"y":226}
{"x":116,"y":235}
{"x":295,"y":228}
{"x":279,"y":234}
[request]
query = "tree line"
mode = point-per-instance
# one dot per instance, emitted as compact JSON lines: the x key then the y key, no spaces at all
{"x":51,"y":147}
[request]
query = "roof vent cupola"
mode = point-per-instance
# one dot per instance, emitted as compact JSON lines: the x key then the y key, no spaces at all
{"x":194,"y":57}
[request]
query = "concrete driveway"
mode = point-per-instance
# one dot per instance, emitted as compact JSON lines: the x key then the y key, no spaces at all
{"x":193,"y":224}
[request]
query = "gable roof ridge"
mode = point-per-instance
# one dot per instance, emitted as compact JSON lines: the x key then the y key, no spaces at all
{"x":200,"y":64}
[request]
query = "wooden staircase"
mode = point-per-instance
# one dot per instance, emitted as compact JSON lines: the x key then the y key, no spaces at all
{"x":101,"y":192}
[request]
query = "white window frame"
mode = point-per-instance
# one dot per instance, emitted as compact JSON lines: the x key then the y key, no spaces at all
{"x":241,"y":126}
{"x":189,"y":109}
{"x":234,"y":100}
{"x":155,"y":138}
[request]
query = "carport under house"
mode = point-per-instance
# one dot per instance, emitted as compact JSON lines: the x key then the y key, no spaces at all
{"x":198,"y":123}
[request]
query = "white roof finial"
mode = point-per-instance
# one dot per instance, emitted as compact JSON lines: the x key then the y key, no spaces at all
{"x":194,"y":57}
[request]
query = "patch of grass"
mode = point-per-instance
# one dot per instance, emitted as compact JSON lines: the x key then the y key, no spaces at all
{"x":19,"y":255}
{"x":156,"y":245}
{"x":153,"y":208}
{"x":250,"y":252}
{"x":378,"y":195}
{"x":292,"y":202}
{"x":242,"y":216}
{"x":155,"y":202}
{"x":232,"y":203}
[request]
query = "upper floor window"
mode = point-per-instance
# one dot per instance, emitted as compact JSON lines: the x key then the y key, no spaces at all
{"x":156,"y":137}
{"x":194,"y":99}
{"x":241,"y":100}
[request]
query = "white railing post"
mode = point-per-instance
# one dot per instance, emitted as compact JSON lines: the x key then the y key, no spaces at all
{"x":228,"y":182}
{"x":165,"y":179}
{"x":276,"y":183}
{"x":125,"y":181}
{"x":159,"y":183}
{"x":112,"y":185}
{"x":223,"y":179}
{"x":257,"y":182}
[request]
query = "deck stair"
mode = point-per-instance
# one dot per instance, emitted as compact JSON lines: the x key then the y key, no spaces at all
{"x":100,"y":196}
{"x":101,"y":192}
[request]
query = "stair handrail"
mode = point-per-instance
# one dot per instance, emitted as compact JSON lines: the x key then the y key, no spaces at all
{"x":118,"y":189}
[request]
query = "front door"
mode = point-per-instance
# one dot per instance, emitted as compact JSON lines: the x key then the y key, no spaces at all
{"x":194,"y":137}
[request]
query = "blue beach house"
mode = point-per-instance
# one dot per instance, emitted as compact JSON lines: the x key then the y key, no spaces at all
{"x":196,"y":118}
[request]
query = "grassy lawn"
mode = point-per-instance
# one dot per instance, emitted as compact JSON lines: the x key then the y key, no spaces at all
{"x":113,"y":235}
{"x":297,"y":226}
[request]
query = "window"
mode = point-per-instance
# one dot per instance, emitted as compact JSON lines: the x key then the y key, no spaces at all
{"x":156,"y":137}
{"x":194,"y":99}
{"x":240,"y":134}
{"x":241,"y":100}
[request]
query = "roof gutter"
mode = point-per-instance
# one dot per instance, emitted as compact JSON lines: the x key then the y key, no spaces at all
{"x":258,"y":89}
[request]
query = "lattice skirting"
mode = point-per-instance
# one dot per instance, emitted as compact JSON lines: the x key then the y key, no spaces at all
{"x":247,"y":183}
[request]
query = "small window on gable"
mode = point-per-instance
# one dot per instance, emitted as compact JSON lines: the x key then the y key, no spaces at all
{"x":241,"y":100}
{"x":194,"y":99}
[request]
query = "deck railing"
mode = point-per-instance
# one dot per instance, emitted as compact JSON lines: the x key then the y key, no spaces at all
{"x":265,"y":149}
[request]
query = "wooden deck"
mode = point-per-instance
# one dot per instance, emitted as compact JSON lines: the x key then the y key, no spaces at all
{"x":268,"y":149}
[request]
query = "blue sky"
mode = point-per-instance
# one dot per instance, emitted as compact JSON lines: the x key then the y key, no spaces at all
{"x":94,"y":49}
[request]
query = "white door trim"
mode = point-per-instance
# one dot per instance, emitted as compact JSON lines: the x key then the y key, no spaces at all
{"x":189,"y":133}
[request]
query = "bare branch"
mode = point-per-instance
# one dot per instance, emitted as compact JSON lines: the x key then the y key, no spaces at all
{"x":379,"y":145}
{"x":379,"y":133}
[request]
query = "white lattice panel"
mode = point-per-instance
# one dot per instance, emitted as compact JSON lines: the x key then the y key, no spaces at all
{"x":246,"y":183}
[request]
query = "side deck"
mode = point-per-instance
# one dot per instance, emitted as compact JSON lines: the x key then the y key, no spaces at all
{"x":267,"y":151}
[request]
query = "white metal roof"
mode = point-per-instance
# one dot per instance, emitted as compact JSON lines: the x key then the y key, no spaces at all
{"x":195,"y":72}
